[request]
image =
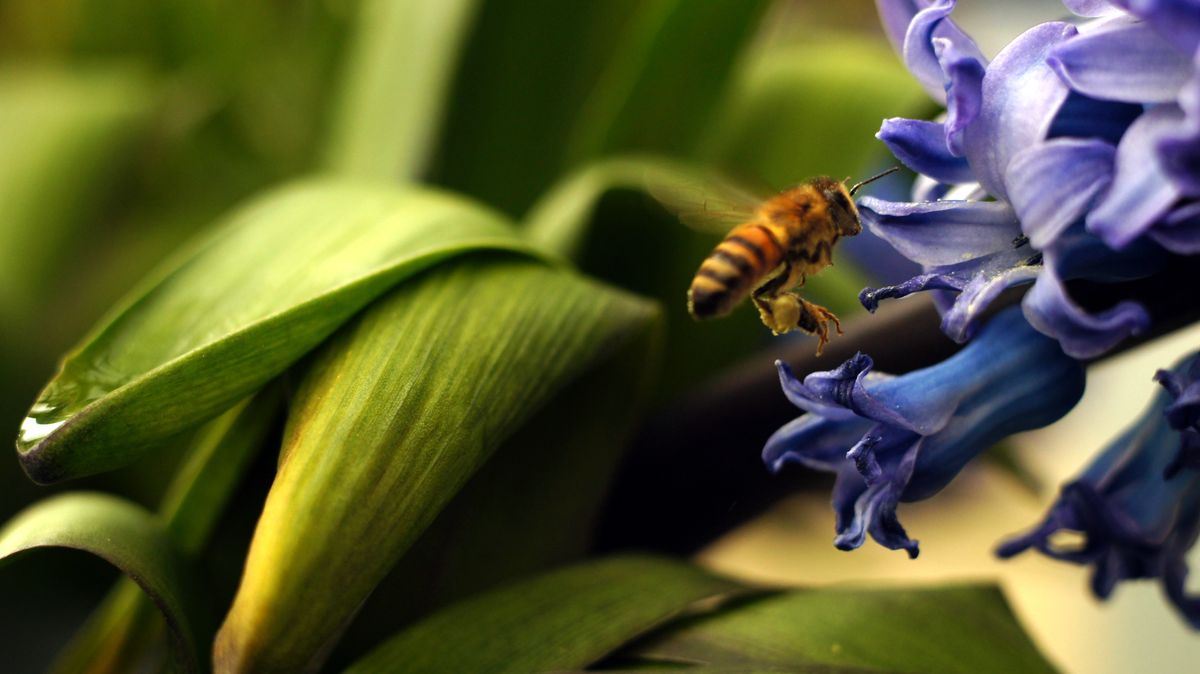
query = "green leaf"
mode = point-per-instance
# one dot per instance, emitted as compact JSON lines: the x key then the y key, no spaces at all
{"x":127,"y":537}
{"x":567,"y":619}
{"x":610,"y":76}
{"x":527,"y":509}
{"x":64,"y":134}
{"x":674,"y":55}
{"x":560,"y":219}
{"x":272,"y":283}
{"x":968,"y":629}
{"x":123,"y":629}
{"x":798,"y":111}
{"x":394,"y":415}
{"x":394,"y":85}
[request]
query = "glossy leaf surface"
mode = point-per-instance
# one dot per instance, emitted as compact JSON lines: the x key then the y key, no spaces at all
{"x":272,"y":283}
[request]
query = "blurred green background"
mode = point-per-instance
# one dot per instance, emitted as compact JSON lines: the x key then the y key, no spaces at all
{"x":128,"y":126}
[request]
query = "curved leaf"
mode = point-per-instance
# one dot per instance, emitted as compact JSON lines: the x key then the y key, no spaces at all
{"x":674,"y":55}
{"x":397,"y":75}
{"x":393,"y":417}
{"x":124,"y":535}
{"x":527,"y":509}
{"x":122,"y":630}
{"x":559,"y":220}
{"x":965,"y":629}
{"x":610,"y":76}
{"x":278,"y":278}
{"x":797,"y":111}
{"x":566,"y":619}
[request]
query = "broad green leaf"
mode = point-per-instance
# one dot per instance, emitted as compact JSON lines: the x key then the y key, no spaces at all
{"x":560,"y":219}
{"x":566,"y":619}
{"x":64,"y":137}
{"x":798,"y":111}
{"x":127,"y":537}
{"x":545,"y":84}
{"x":967,"y":629}
{"x":395,"y":414}
{"x":527,"y":509}
{"x":394,"y":85}
{"x":660,"y":87}
{"x":124,"y":629}
{"x":272,"y":283}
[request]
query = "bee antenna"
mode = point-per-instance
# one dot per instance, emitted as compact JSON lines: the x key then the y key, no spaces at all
{"x":873,"y":179}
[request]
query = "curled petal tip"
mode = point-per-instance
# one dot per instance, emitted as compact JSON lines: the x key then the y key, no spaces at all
{"x":869,"y":298}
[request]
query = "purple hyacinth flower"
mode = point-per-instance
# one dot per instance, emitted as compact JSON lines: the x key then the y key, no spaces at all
{"x":972,"y":251}
{"x":1032,"y":147}
{"x":903,"y":438}
{"x":1135,"y":523}
{"x":1183,"y":414}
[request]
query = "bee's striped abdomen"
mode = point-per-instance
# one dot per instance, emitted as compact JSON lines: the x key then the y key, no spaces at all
{"x":733,"y":269}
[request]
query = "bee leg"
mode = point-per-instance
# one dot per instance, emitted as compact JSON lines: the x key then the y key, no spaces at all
{"x":814,"y":319}
{"x":764,"y":298}
{"x":780,"y":313}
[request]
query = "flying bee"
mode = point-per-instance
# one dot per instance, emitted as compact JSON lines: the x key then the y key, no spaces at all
{"x":775,"y":245}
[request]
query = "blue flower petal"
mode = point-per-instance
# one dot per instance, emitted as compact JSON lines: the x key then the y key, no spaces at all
{"x":816,"y":401}
{"x":1081,"y":334}
{"x":921,"y":146}
{"x":1141,"y":192}
{"x":896,"y":15}
{"x":960,"y":321}
{"x":1183,"y":413}
{"x":942,"y":232}
{"x":1176,"y":20}
{"x":870,"y":297}
{"x":964,"y":72}
{"x":1091,"y":7}
{"x":1037,"y":398}
{"x":1179,"y":147}
{"x":1123,"y":61}
{"x":880,"y":501}
{"x":919,"y":53}
{"x":1135,"y":523}
{"x":824,"y":440}
{"x":855,"y":390}
{"x":848,"y":487}
{"x":1021,"y":95}
{"x":911,"y":434}
{"x":1052,"y":184}
{"x":1180,"y":231}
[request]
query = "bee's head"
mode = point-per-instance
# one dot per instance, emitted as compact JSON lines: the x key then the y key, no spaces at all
{"x":849,"y":223}
{"x":840,"y":206}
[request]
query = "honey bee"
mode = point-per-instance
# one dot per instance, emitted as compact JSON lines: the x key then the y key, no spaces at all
{"x":775,"y":245}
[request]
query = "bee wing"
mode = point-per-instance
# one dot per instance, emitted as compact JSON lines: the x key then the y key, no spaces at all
{"x":707,"y":204}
